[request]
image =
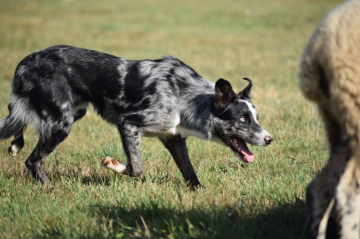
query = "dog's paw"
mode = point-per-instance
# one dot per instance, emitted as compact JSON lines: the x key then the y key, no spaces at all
{"x":114,"y":165}
{"x":13,"y":150}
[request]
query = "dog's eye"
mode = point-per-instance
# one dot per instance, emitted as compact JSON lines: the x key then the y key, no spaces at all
{"x":243,"y":119}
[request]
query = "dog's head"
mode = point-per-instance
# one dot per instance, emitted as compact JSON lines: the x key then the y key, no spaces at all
{"x":236,"y":120}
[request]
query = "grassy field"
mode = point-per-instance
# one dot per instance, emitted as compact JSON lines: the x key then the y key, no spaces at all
{"x":230,"y":39}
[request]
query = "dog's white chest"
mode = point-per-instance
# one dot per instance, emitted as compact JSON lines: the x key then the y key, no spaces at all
{"x":184,"y":132}
{"x":177,"y":129}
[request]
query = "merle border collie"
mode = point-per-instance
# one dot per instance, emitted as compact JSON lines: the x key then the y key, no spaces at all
{"x":162,"y":98}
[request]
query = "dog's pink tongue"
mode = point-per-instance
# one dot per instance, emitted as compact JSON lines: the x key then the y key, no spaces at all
{"x":248,"y":155}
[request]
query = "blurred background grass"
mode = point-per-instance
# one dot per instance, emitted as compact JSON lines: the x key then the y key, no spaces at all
{"x":259,"y":39}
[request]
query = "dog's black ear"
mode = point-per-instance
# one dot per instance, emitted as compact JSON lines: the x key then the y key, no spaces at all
{"x":224,"y":94}
{"x":245,"y":94}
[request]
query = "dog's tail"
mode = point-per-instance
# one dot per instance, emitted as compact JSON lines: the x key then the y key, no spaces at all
{"x":10,"y":125}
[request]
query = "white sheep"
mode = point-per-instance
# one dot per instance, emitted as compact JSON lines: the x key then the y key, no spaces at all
{"x":330,"y":76}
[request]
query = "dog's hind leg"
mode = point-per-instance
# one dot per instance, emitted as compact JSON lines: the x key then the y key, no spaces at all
{"x":51,"y":136}
{"x":131,"y":137}
{"x":17,"y":144}
{"x":178,"y":150}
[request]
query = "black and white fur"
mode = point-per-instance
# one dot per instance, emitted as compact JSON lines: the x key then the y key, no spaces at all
{"x":164,"y":98}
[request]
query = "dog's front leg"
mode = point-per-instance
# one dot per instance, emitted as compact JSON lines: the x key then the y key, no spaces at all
{"x":177,"y":148}
{"x":130,"y":137}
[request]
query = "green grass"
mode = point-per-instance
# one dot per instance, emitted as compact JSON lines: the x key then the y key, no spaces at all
{"x":230,"y":39}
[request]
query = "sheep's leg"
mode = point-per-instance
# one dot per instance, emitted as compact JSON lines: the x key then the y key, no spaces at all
{"x":321,"y":193}
{"x":347,"y":196}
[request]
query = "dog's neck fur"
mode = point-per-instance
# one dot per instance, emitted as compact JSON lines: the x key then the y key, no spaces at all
{"x":197,"y":118}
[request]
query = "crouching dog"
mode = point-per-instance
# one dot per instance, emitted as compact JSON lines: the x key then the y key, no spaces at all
{"x":161,"y":98}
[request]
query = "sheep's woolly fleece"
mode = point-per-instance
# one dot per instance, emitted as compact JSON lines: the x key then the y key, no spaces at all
{"x":330,"y":76}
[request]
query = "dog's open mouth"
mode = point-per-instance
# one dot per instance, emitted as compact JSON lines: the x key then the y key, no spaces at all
{"x":241,"y":150}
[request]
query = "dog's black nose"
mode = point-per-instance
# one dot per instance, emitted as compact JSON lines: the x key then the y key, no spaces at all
{"x":268,"y":139}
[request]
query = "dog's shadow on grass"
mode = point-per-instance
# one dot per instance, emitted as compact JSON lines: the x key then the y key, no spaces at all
{"x":155,"y":220}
